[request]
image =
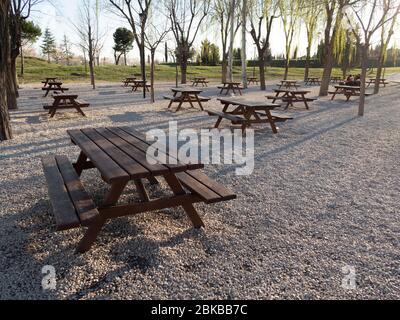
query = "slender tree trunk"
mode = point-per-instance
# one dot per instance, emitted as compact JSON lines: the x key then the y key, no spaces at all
{"x":12,"y":86}
{"x":224,"y":69}
{"x":261,"y":61}
{"x":183,"y":71}
{"x":364,"y":68}
{"x":308,"y":63}
{"x":152,"y":71}
{"x":125,"y":58}
{"x":285,"y":77}
{"x":244,"y":46}
{"x":5,"y":127}
{"x":232,"y":40}
{"x":22,"y":63}
{"x":326,"y":75}
{"x":91,"y":59}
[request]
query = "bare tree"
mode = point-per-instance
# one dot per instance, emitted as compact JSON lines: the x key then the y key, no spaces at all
{"x":369,"y":16}
{"x":186,"y":18}
{"x":244,"y":43}
{"x":222,"y":14}
{"x":154,"y":36}
{"x":5,"y":127}
{"x":136,"y":13}
{"x":262,"y":16}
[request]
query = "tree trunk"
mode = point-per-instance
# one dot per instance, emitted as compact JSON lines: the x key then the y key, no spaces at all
{"x":91,"y":59}
{"x":379,"y":72}
{"x":224,"y":69}
{"x":285,"y":76}
{"x":326,"y":75}
{"x":5,"y":127}
{"x":244,"y":47}
{"x":364,"y":67}
{"x":12,"y":86}
{"x":22,"y":63}
{"x":152,"y":69}
{"x":183,"y":65}
{"x":308,"y":62}
{"x":261,"y":62}
{"x":125,"y":58}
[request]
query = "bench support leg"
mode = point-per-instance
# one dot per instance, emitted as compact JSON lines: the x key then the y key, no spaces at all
{"x":91,"y":235}
{"x":178,"y":190}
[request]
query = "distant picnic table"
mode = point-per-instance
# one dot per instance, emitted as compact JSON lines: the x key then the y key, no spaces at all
{"x":336,"y":79}
{"x":66,"y":101}
{"x":129,"y":80}
{"x":49,"y":79}
{"x":246,"y":113}
{"x":381,"y":82}
{"x":54,"y":86}
{"x":136,"y":84}
{"x":120,"y":156}
{"x":186,"y":95}
{"x":252,"y":80}
{"x":229,"y":86}
{"x":347,"y":91}
{"x":200,"y":81}
{"x":288,"y":84}
{"x":290,"y":97}
{"x":313,"y":81}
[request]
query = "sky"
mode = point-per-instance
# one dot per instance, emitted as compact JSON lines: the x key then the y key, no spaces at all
{"x":60,"y":16}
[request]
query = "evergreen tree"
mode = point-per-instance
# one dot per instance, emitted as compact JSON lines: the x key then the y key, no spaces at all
{"x":49,"y":44}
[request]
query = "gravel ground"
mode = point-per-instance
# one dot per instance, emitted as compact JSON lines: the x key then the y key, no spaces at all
{"x":324,"y":195}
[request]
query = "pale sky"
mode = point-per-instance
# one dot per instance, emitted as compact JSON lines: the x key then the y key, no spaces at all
{"x":59,"y":15}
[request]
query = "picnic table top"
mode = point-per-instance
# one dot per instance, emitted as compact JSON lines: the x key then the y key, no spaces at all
{"x":336,"y":78}
{"x":50,"y":78}
{"x":55,"y":83}
{"x":130,"y":78}
{"x":120,"y":154}
{"x":187,"y":90}
{"x":64,"y":96}
{"x":292,"y":91}
{"x":249,"y":103}
{"x":313,"y":78}
{"x":200,"y":78}
{"x":289,"y":81}
{"x":381,"y":79}
{"x":341,"y":86}
{"x":231,"y":83}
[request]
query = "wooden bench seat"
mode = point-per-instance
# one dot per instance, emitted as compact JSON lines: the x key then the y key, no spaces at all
{"x":207,"y":189}
{"x":55,"y":89}
{"x":178,"y":99}
{"x":227,"y":88}
{"x":235,"y":119}
{"x":277,"y":117}
{"x":72,"y":206}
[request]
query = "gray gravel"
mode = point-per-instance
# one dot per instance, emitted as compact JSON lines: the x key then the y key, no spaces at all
{"x":324,"y":195}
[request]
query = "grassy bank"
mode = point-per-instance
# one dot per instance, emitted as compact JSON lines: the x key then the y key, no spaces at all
{"x":37,"y":69}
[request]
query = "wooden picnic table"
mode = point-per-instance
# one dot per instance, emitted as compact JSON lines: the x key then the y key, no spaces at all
{"x":252,"y":80}
{"x":291,"y":96}
{"x":200,"y":80}
{"x":129,"y":80}
{"x":136,"y":84}
{"x":336,"y":79}
{"x":231,"y":86}
{"x":381,"y":82}
{"x":247,"y":112}
{"x":313,"y":81}
{"x":49,"y":79}
{"x":288,"y":84}
{"x":55,"y":87}
{"x":120,"y":156}
{"x":186,"y":95}
{"x":66,"y":101}
{"x":347,"y":91}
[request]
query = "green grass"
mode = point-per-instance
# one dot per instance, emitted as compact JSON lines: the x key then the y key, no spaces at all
{"x":37,"y":69}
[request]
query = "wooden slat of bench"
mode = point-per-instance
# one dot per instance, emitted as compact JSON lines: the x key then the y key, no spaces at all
{"x":204,"y":99}
{"x":195,"y":186}
{"x":138,"y":155}
{"x":83,"y":203}
{"x":224,"y":192}
{"x":228,"y":116}
{"x":82,"y":103}
{"x":63,"y":209}
{"x":171,"y":98}
{"x":109,"y":169}
{"x":134,"y":169}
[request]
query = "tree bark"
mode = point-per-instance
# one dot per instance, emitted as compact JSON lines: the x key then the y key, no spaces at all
{"x":91,"y":58}
{"x":364,"y":69}
{"x":261,"y":61}
{"x":22,"y":63}
{"x":285,"y":77}
{"x":224,"y":69}
{"x":152,"y":71}
{"x":308,"y":62}
{"x":5,"y":127}
{"x":244,"y":44}
{"x":11,"y":84}
{"x":183,"y":65}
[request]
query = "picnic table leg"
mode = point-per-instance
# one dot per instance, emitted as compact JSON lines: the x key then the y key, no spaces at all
{"x":80,"y":164}
{"x":334,"y":95}
{"x":199,"y":102}
{"x":271,"y":122}
{"x":178,"y":190}
{"x":80,"y":111}
{"x":94,"y":229}
{"x":305,"y":101}
{"x":142,"y":191}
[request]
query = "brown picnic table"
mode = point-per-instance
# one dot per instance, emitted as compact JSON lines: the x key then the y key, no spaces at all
{"x":347,"y":91}
{"x":120,"y":156}
{"x":381,"y":82}
{"x":336,"y":79}
{"x":55,"y":87}
{"x":66,"y":101}
{"x":290,"y":97}
{"x":288,"y":84}
{"x":231,"y":86}
{"x":252,"y":80}
{"x":186,"y":95}
{"x":246,"y":113}
{"x":200,"y":81}
{"x":129,"y":80}
{"x":313,"y":81}
{"x":136,"y":84}
{"x":49,"y":79}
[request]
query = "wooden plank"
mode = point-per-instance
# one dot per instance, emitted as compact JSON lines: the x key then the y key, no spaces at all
{"x":63,"y":208}
{"x":109,"y":169}
{"x":83,"y":203}
{"x":208,"y":195}
{"x":136,"y":154}
{"x":224,"y":192}
{"x":124,"y":161}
